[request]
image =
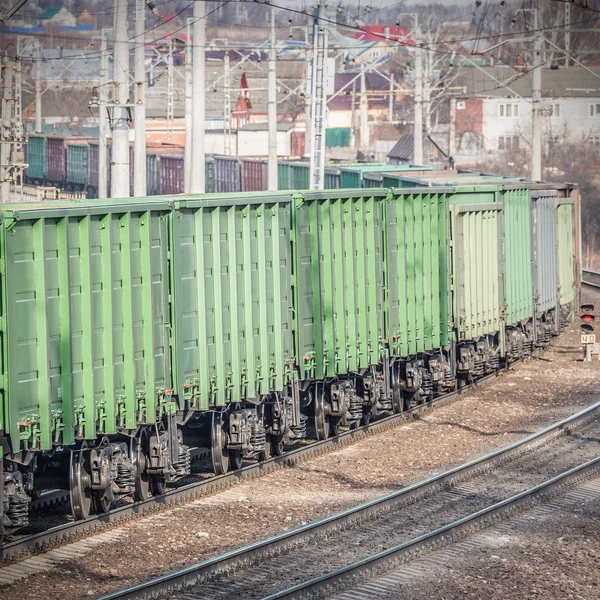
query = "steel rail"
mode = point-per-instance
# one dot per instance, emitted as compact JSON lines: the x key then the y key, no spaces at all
{"x":591,"y":278}
{"x":241,"y":558}
{"x":448,"y":534}
{"x":68,"y":532}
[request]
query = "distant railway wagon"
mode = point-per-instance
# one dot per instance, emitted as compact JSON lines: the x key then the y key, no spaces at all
{"x":135,"y":329}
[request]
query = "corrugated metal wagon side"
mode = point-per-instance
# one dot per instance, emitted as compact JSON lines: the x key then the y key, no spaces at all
{"x":543,"y":227}
{"x":77,"y":164}
{"x":232,"y":322}
{"x":56,"y":163}
{"x":565,"y":251}
{"x":518,"y":283}
{"x":36,"y":158}
{"x":416,"y":269}
{"x":85,"y":334}
{"x":476,"y":234}
{"x":338,"y":281}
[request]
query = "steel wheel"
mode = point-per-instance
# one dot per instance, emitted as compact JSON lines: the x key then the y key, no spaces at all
{"x":277,"y":448}
{"x":397,"y":402}
{"x":100,"y":502}
{"x":80,"y":492}
{"x":321,"y":419}
{"x":157,"y":484}
{"x":366,"y":418}
{"x":218,"y":443}
{"x":334,"y":426}
{"x":142,"y":479}
{"x":266,"y":453}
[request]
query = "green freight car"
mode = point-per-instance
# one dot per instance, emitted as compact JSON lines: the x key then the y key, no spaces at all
{"x":36,"y":159}
{"x":135,"y":330}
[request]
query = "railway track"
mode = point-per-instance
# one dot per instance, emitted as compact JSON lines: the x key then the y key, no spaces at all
{"x":591,"y":278}
{"x":326,"y":555}
{"x":62,"y":534}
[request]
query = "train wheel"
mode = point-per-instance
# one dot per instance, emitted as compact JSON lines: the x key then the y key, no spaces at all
{"x":334,"y":426}
{"x":80,"y":491}
{"x":235,"y":460}
{"x":266,"y":453}
{"x":157,"y":484}
{"x":321,"y":419}
{"x":366,"y":418}
{"x":100,"y":502}
{"x":218,"y":441}
{"x":277,"y":448}
{"x":142,"y":479}
{"x":397,"y":402}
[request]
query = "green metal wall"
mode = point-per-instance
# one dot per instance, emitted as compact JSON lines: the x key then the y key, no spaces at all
{"x":338,"y":281}
{"x":518,"y":274}
{"x":77,"y":163}
{"x":85,"y":339}
{"x":284,"y":180}
{"x":565,"y":250}
{"x":300,"y":176}
{"x":416,"y":272}
{"x":337,"y":137}
{"x":36,"y":157}
{"x":477,"y":254}
{"x":232,"y":297}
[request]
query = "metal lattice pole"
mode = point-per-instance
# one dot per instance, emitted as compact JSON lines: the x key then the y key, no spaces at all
{"x":139,"y":150}
{"x":319,"y":99}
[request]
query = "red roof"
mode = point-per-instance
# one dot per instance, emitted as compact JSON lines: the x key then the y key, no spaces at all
{"x":377,"y":33}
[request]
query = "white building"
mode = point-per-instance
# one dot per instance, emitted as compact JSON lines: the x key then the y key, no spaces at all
{"x":492,"y":117}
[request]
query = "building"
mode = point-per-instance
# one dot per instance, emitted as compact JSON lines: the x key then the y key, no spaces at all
{"x":495,"y":112}
{"x":58,"y":16}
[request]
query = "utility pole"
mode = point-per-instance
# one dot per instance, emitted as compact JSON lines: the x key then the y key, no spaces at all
{"x":307,"y":107}
{"x":198,"y":99}
{"x":120,"y":129}
{"x":452,"y":130}
{"x":353,"y":117}
{"x":6,"y":80}
{"x":139,"y":150}
{"x":319,"y":99}
{"x":227,"y":105}
{"x":536,"y":107}
{"x":364,"y":109}
{"x":187,"y":157}
{"x":391,"y":99}
{"x":38,"y":88}
{"x":272,"y":109}
{"x":567,"y":33}
{"x":418,"y":118}
{"x":103,"y":121}
{"x":170,"y":93}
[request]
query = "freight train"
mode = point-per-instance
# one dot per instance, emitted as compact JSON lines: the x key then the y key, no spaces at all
{"x":134,"y":330}
{"x":72,"y":164}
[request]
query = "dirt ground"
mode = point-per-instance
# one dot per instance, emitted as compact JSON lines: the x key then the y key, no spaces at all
{"x":535,"y":394}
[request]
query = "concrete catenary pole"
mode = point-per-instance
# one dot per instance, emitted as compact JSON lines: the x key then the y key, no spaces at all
{"x":272,"y":109}
{"x":103,"y":121}
{"x":536,"y":123}
{"x":5,"y":126}
{"x":364,"y":110}
{"x":198,"y":99}
{"x":187,"y":156}
{"x":227,"y":104}
{"x":120,"y":128}
{"x":391,"y":99}
{"x":418,"y":118}
{"x":139,"y":149}
{"x":38,"y":88}
{"x":319,"y":99}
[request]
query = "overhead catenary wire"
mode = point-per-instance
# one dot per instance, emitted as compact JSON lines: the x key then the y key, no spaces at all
{"x":390,"y":39}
